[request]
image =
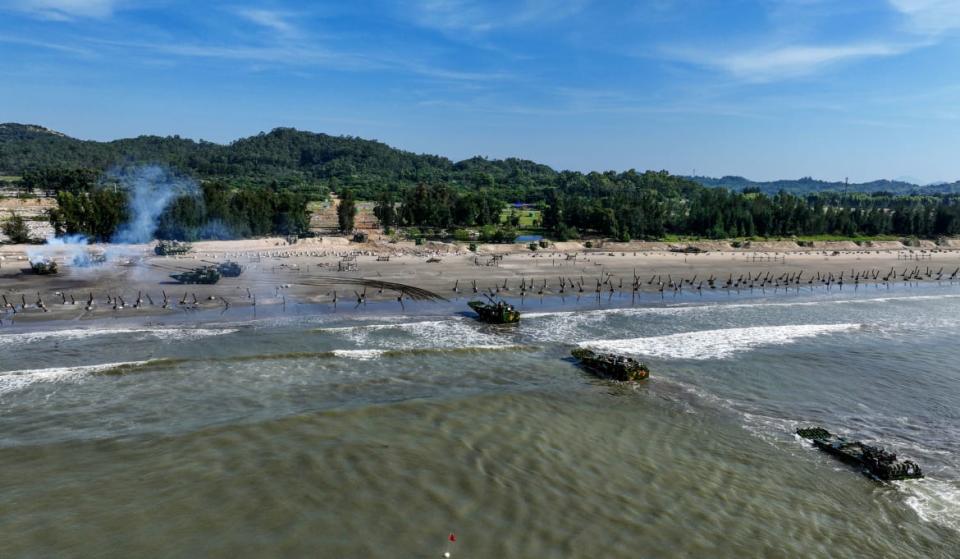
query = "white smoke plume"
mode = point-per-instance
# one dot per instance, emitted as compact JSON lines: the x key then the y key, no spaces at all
{"x":150,"y":189}
{"x":72,"y":247}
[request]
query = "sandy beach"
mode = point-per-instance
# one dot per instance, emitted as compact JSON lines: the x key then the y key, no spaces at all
{"x":322,"y":269}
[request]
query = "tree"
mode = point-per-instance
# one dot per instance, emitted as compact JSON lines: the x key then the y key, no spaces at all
{"x":385,"y":211}
{"x":16,"y":230}
{"x":346,"y":211}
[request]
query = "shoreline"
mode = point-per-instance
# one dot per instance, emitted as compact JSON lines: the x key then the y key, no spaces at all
{"x":213,"y":314}
{"x":277,"y":274}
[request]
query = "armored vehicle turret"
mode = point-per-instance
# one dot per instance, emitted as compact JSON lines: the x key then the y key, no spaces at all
{"x":204,"y":275}
{"x":171,"y":248}
{"x":230,"y":269}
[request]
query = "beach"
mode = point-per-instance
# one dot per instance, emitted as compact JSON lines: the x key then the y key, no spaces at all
{"x":319,"y":271}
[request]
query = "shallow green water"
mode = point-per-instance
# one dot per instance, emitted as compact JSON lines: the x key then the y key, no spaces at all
{"x":377,"y":435}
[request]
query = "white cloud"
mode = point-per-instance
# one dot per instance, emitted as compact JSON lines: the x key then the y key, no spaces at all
{"x":270,"y":19}
{"x":792,"y":61}
{"x":481,"y":16}
{"x":930,"y":17}
{"x":68,"y":9}
{"x":69,"y":49}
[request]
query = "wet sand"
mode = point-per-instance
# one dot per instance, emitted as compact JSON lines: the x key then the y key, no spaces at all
{"x":319,"y":270}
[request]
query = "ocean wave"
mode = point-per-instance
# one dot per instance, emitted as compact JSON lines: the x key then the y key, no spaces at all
{"x":450,"y":333}
{"x":359,"y":354}
{"x":165,"y":334}
{"x":11,"y":381}
{"x":716,"y":344}
{"x":933,"y":500}
{"x":684,"y":308}
{"x":370,"y":354}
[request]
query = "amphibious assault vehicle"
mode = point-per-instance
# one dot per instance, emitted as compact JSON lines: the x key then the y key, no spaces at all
{"x":206,"y":275}
{"x":43,"y":267}
{"x":496,"y":312}
{"x":171,"y":248}
{"x":609,"y":365}
{"x":873,"y":461}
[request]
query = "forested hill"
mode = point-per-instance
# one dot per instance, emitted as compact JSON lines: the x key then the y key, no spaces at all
{"x":807,"y":185}
{"x":284,"y":155}
{"x":289,"y":156}
{"x":262,"y":184}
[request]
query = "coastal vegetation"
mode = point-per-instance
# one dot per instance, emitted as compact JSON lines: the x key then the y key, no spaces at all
{"x":15,"y":228}
{"x":217,"y":211}
{"x":262,"y":185}
{"x":808,"y":185}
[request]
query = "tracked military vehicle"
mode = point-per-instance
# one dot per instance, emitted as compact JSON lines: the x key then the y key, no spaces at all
{"x":207,"y":275}
{"x":873,"y":461}
{"x":496,"y":312}
{"x":89,"y":260}
{"x":228,"y":269}
{"x":171,"y":248}
{"x":609,"y":365}
{"x":43,"y":267}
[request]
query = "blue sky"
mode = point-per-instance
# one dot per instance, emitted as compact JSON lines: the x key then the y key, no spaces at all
{"x":762,"y":88}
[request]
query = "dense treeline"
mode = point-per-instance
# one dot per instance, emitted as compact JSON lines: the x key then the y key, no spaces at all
{"x":221,"y":212}
{"x":717,"y":213}
{"x":808,"y":185}
{"x":96,"y":214}
{"x":217,"y":212}
{"x":260,"y":185}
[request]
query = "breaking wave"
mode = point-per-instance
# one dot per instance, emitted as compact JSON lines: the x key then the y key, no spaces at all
{"x":165,"y":334}
{"x":717,"y":344}
{"x":12,"y":381}
{"x":935,"y":501}
{"x":452,"y":333}
{"x":359,"y":354}
{"x":371,"y":354}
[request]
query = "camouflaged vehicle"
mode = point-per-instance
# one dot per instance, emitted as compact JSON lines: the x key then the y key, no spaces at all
{"x":609,"y":365}
{"x":204,"y":275}
{"x":171,"y":248}
{"x":873,"y":461}
{"x":43,"y":267}
{"x":495,"y":313}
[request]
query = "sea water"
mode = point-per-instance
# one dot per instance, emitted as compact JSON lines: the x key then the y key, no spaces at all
{"x":377,"y":432}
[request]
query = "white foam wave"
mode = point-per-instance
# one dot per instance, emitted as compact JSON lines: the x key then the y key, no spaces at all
{"x":359,"y":354}
{"x":717,"y":344}
{"x":697,"y":307}
{"x":936,"y":501}
{"x":11,"y":381}
{"x":187,"y":333}
{"x":444,"y":334}
{"x":80,"y":333}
